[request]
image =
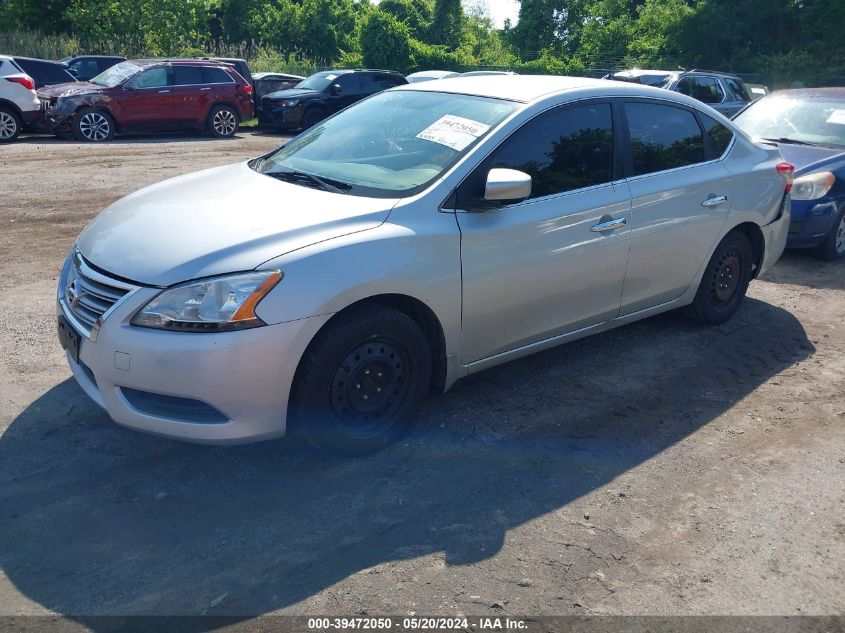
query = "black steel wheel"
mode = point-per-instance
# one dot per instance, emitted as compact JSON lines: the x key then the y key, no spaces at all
{"x":312,"y":117}
{"x":725,"y":280}
{"x":361,"y":380}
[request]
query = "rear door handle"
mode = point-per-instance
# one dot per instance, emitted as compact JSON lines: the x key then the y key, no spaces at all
{"x":610,"y":225}
{"x":714,"y":201}
{"x":205,"y":88}
{"x":164,"y":92}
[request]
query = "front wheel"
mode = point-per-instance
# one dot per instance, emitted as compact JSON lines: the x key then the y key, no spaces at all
{"x":93,"y":126}
{"x":10,"y":125}
{"x":312,"y":117}
{"x":361,"y":381}
{"x":833,"y":247}
{"x":223,"y":122}
{"x":725,"y":280}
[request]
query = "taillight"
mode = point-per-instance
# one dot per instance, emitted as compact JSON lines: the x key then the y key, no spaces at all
{"x":24,"y":80}
{"x":248,"y":89}
{"x":787,"y":172}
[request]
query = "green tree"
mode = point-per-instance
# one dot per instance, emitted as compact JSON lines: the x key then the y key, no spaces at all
{"x":385,"y":42}
{"x":447,"y":23}
{"x":415,"y":14}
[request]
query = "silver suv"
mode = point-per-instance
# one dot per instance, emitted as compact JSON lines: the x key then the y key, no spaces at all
{"x":429,"y":232}
{"x":19,"y":105}
{"x":723,"y":92}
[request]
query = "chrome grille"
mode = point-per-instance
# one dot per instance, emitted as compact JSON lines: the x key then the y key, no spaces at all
{"x":88,"y":295}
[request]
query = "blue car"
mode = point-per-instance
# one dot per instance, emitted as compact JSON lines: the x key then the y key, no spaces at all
{"x":808,"y":126}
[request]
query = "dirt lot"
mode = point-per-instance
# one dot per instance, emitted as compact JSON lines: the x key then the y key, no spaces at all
{"x":662,"y":468}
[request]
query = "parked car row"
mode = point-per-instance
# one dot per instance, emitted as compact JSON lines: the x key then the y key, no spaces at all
{"x":421,"y":235}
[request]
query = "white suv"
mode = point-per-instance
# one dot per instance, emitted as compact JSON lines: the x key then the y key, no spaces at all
{"x":19,"y":105}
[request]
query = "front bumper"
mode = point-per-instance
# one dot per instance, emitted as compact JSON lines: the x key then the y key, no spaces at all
{"x":280,"y":116}
{"x":244,"y":375}
{"x":812,"y":221}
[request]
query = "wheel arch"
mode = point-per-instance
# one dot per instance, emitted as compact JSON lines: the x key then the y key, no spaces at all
{"x":758,"y":243}
{"x":420,"y":313}
{"x":12,"y":106}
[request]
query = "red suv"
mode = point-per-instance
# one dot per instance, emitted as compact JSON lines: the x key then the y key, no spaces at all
{"x":149,"y":95}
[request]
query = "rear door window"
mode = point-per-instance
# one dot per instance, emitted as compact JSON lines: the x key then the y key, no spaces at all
{"x":187,"y":75}
{"x":663,"y":137}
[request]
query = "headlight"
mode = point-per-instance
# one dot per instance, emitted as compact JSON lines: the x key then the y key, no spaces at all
{"x":211,"y":305}
{"x":813,"y":186}
{"x":289,"y":103}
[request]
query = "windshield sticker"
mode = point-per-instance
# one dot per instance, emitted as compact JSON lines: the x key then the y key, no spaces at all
{"x":837,"y":116}
{"x":453,"y":131}
{"x":331,"y":77}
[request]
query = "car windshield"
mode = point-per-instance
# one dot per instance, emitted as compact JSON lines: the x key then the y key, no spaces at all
{"x":317,"y":82}
{"x":392,"y":144}
{"x":658,"y":80}
{"x":799,"y":118}
{"x":116,"y":75}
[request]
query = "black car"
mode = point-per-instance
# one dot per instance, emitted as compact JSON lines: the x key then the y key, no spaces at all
{"x":321,"y":95}
{"x":85,"y":67}
{"x":44,"y":72}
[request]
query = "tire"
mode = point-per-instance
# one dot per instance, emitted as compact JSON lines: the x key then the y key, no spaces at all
{"x":312,"y":117}
{"x":223,"y":121}
{"x":725,"y":281}
{"x":361,"y":381}
{"x":833,"y":247}
{"x":91,"y":125}
{"x":10,"y":125}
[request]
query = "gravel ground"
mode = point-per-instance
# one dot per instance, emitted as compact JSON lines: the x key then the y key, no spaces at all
{"x":662,"y":468}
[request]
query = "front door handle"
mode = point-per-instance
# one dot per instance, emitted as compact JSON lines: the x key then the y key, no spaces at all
{"x":207,"y":88}
{"x":610,"y":225}
{"x":164,"y":92}
{"x":714,"y":201}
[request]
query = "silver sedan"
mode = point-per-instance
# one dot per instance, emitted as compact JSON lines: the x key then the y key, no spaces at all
{"x":424,"y":234}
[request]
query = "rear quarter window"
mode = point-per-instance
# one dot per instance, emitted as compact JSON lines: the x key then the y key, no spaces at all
{"x":718,"y":135}
{"x":211,"y":75}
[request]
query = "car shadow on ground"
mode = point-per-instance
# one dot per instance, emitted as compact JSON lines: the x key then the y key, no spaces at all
{"x":99,"y":520}
{"x":801,"y":267}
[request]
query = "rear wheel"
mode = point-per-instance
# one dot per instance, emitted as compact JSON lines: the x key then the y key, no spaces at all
{"x":10,"y":125}
{"x":833,"y":246}
{"x":93,"y":125}
{"x":361,"y":381}
{"x":223,"y":121}
{"x":725,"y":280}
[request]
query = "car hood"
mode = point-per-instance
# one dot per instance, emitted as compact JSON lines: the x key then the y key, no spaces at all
{"x":69,"y":89}
{"x":809,"y":158}
{"x":292,"y":93}
{"x":218,"y":221}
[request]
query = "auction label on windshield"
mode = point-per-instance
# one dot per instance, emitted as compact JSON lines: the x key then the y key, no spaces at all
{"x":453,"y":131}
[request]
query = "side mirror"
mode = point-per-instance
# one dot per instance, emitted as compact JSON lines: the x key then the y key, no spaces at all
{"x":73,"y":71}
{"x":128,"y":86}
{"x":336,"y":89}
{"x":507,"y":184}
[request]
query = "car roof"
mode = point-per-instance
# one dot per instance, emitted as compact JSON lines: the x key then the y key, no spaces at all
{"x":263,"y":75}
{"x":812,"y":92}
{"x":533,"y":88}
{"x":179,"y":60}
{"x":433,"y":73}
{"x":37,"y":59}
{"x":96,"y":57}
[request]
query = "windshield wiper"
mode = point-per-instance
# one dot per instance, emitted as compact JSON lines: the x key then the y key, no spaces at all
{"x":325,"y":184}
{"x":783,"y":139}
